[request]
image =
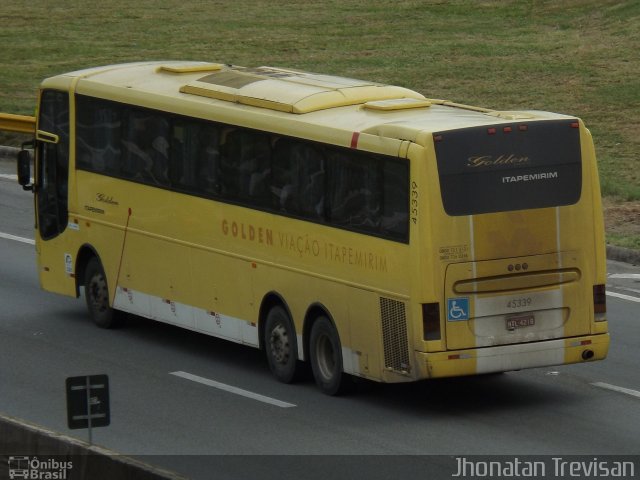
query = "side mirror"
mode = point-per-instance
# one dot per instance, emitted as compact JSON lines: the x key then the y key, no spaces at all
{"x":24,"y":169}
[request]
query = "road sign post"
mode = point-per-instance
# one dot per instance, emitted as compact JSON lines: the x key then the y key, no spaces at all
{"x":88,"y":402}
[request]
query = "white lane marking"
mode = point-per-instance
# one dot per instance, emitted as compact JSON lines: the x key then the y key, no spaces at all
{"x":9,"y":176}
{"x":8,"y":236}
{"x":615,"y":388}
{"x":624,"y":297}
{"x":627,"y":276}
{"x":235,"y":390}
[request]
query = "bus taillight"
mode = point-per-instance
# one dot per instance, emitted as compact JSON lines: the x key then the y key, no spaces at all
{"x":599,"y":302}
{"x":431,"y":321}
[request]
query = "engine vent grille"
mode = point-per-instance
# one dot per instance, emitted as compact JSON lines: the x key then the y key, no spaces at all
{"x":394,"y":335}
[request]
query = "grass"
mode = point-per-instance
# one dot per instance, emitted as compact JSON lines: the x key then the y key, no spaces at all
{"x":625,"y":241}
{"x":575,"y":56}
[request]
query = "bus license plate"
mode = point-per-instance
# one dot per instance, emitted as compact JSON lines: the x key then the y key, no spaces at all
{"x":520,"y":322}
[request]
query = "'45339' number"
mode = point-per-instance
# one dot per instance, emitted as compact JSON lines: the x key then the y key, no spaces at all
{"x":519,"y":302}
{"x":414,"y":202}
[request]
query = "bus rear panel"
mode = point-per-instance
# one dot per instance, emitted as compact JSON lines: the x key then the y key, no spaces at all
{"x":516,"y":248}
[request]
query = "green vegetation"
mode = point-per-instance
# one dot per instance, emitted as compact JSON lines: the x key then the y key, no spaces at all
{"x":626,"y":241}
{"x":575,"y":56}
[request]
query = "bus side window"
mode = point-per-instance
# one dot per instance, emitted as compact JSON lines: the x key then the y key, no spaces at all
{"x":246,"y":166}
{"x":354,"y":192}
{"x":180,"y":175}
{"x":98,"y":138}
{"x":284,"y":179}
{"x":207,"y":156}
{"x":298,"y":179}
{"x":146,"y":145}
{"x":195,"y":158}
{"x":312,"y":181}
{"x":395,"y":211}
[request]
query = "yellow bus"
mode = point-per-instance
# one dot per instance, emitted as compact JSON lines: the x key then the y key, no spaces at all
{"x":359,"y":227}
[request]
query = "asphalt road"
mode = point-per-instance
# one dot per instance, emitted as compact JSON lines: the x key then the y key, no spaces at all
{"x":160,"y":412}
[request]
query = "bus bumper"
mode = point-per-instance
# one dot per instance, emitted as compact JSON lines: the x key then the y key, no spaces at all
{"x":504,"y":358}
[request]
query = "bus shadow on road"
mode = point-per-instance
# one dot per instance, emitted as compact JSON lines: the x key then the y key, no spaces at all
{"x":501,"y":392}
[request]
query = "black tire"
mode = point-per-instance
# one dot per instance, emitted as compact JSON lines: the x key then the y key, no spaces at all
{"x":326,"y":358}
{"x":281,"y":345}
{"x":96,"y":292}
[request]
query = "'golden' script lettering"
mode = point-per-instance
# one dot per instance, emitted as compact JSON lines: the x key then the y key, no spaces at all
{"x":489,"y":161}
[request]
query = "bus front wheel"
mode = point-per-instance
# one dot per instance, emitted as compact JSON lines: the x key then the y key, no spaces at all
{"x":96,"y":293}
{"x":281,"y":345}
{"x":326,"y":357}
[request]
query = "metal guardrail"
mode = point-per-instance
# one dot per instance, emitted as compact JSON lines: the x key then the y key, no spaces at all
{"x":10,"y":122}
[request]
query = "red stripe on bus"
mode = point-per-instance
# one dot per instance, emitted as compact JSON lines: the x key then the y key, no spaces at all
{"x":354,"y":139}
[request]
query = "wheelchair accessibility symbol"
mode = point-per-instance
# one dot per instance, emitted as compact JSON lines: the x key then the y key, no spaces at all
{"x":457,"y":309}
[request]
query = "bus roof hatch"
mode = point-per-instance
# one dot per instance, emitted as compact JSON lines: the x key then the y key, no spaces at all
{"x":291,"y":91}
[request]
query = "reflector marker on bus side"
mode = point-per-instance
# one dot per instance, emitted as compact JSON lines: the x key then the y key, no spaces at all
{"x":234,"y":390}
{"x":460,"y":356}
{"x":580,"y":343}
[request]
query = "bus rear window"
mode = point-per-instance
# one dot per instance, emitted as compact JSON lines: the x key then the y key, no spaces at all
{"x":509,"y":167}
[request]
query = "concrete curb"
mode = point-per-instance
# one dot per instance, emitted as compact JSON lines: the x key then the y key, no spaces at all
{"x":626,"y":255}
{"x":22,"y":439}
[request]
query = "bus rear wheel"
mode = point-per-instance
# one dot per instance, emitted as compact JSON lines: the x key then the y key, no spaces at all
{"x":326,"y":357}
{"x":96,"y":293}
{"x":281,"y":345}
